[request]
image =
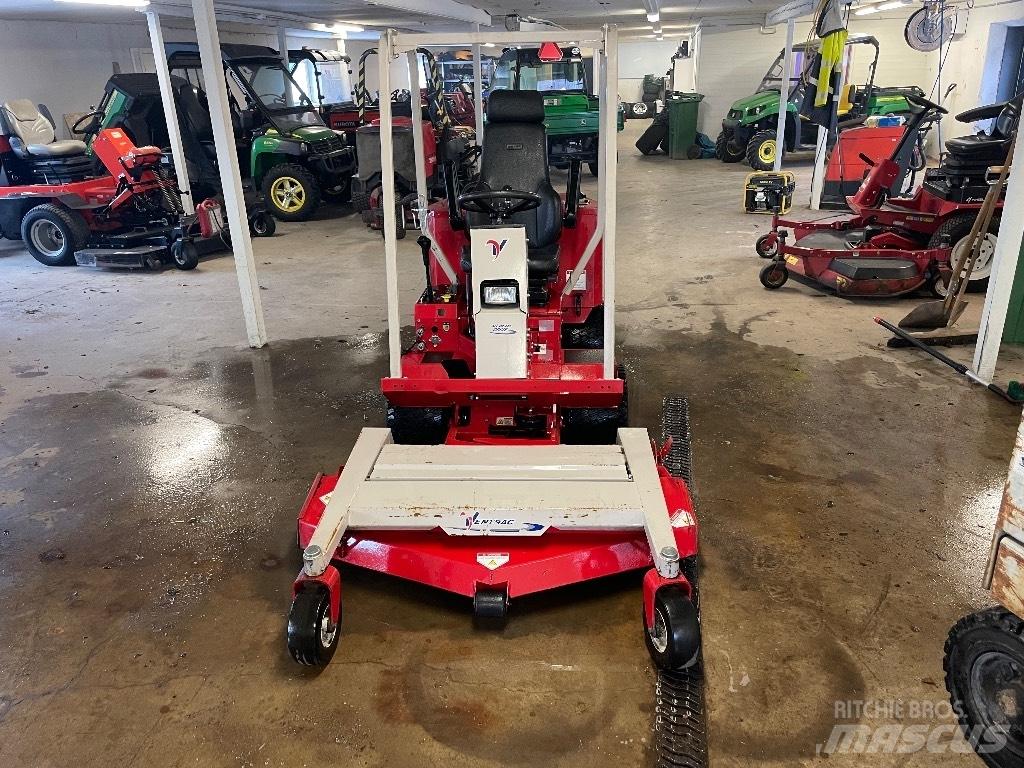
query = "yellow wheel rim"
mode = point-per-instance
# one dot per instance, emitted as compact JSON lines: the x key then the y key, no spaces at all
{"x":288,"y":194}
{"x":766,"y":152}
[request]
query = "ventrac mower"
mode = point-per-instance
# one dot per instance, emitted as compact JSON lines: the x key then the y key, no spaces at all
{"x":129,"y":215}
{"x":506,"y":466}
{"x":894,"y":245}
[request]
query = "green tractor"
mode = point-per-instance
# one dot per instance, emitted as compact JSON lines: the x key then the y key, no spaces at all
{"x":571,"y":114}
{"x":748,"y":131}
{"x":284,"y":147}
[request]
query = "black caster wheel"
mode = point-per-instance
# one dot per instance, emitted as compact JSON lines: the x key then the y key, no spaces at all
{"x":774,"y":275}
{"x":985,"y":678}
{"x":767,"y":246}
{"x":185,"y":255}
{"x":490,"y":608}
{"x":262,"y":224}
{"x":312,"y":640}
{"x":674,"y":640}
{"x":937,"y":286}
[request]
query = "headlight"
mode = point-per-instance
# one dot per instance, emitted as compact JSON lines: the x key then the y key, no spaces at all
{"x":757,"y":110}
{"x":500,"y":295}
{"x":304,"y":148}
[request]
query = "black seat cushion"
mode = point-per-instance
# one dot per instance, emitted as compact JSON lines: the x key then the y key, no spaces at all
{"x":515,"y":156}
{"x":991,"y":147}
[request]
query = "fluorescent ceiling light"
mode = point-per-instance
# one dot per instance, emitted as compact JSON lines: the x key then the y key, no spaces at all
{"x":489,"y":45}
{"x":891,"y":5}
{"x":866,"y":10}
{"x":342,"y":28}
{"x":653,"y":16}
{"x":117,"y":3}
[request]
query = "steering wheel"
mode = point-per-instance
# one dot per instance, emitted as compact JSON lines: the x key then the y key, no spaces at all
{"x":921,"y":101}
{"x":273,"y":98}
{"x":499,"y":204}
{"x":93,"y":116}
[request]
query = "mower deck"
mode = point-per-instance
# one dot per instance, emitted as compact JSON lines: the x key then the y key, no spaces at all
{"x":578,"y":511}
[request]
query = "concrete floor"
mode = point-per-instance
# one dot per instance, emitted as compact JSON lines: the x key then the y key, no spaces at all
{"x":151,"y":467}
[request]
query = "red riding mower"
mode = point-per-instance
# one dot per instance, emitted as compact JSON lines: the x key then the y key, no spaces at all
{"x":894,"y":245}
{"x":442,"y":141}
{"x":51,"y":198}
{"x":507,"y":466}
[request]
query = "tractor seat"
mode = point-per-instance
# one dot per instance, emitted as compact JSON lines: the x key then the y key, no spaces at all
{"x":31,"y":134}
{"x":515,"y":155}
{"x":990,"y":148}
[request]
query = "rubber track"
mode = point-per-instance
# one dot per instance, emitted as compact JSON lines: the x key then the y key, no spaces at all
{"x":680,"y":722}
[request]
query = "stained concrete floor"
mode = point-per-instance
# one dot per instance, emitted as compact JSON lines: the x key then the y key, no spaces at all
{"x":151,"y":467}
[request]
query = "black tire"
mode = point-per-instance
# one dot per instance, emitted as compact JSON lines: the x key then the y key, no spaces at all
{"x":675,"y":424}
{"x":597,"y":426}
{"x":984,"y":665}
{"x":592,"y":167}
{"x":640,"y":109}
{"x":774,"y":275}
{"x":761,"y":150}
{"x":184,"y":255}
{"x":490,"y":608}
{"x":262,"y":224}
{"x":52,"y":234}
{"x":655,"y":135}
{"x":291,"y":192}
{"x":418,"y":426}
{"x":310,"y":640}
{"x":724,"y":150}
{"x":674,"y":643}
{"x":957,"y":227}
{"x":764,"y":250}
{"x":360,"y":201}
{"x":342,"y":194}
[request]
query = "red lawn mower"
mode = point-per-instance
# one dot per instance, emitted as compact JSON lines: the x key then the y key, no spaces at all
{"x":507,"y":466}
{"x":895,"y":245}
{"x":51,"y":198}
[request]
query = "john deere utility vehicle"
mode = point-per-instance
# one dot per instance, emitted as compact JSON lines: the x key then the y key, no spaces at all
{"x":748,"y":131}
{"x":571,"y":114}
{"x":291,"y":155}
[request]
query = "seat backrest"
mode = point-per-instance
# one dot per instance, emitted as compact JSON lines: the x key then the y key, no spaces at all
{"x":515,"y":155}
{"x":1006,"y":120}
{"x":24,"y":121}
{"x":193,"y":110}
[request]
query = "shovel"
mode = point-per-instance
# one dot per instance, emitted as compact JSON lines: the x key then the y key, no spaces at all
{"x":942,"y":314}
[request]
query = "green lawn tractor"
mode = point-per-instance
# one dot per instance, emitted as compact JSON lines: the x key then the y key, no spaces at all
{"x":283,"y":144}
{"x":571,"y":114}
{"x":748,"y":131}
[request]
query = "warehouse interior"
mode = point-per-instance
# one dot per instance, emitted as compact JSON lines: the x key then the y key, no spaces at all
{"x":198,"y":363}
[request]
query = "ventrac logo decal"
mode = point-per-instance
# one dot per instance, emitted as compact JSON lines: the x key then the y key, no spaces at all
{"x":503,"y":329}
{"x":496,"y":247}
{"x":481,"y":525}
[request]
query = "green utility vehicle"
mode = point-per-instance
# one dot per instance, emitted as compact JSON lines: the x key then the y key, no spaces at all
{"x":571,"y":114}
{"x":748,"y":131}
{"x":283,"y":143}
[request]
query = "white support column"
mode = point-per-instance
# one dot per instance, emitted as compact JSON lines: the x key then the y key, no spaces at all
{"x":282,"y":45}
{"x":1000,"y":282}
{"x":387,"y":196}
{"x":163,"y":77}
{"x":478,"y":89}
{"x":346,"y":78}
{"x":787,"y":65}
{"x":607,"y":171}
{"x":230,"y":178}
{"x":417,"y":140}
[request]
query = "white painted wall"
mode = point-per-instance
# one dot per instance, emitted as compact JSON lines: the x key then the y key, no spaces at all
{"x":638,"y":58}
{"x":733,"y":61}
{"x":974,"y":60}
{"x":65,"y":65}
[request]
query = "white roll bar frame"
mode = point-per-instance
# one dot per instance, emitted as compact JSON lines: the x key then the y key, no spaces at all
{"x":604,"y":41}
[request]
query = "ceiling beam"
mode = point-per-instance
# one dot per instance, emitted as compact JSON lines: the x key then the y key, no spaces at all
{"x":794,"y":9}
{"x":444,"y":9}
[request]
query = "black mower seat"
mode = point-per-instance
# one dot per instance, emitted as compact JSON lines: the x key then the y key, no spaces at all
{"x":31,"y":134}
{"x":992,"y":147}
{"x":515,"y":155}
{"x":875,"y":269}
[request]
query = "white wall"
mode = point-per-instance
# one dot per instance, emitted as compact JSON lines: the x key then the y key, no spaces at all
{"x":733,"y":61}
{"x":973,"y":62}
{"x":65,"y":65}
{"x":639,"y":58}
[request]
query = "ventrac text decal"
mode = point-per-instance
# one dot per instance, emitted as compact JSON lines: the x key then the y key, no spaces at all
{"x":481,"y":525}
{"x":502,"y":329}
{"x":496,"y":247}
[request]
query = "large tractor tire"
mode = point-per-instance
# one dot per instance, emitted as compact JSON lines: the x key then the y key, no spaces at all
{"x":52,"y":234}
{"x":291,"y":192}
{"x":761,"y":151}
{"x":957,"y":227}
{"x":725,"y":152}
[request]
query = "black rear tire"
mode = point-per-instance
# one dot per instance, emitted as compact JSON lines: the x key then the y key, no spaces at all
{"x":984,"y":665}
{"x":724,"y":150}
{"x":311,"y":641}
{"x":957,"y":227}
{"x":52,"y":234}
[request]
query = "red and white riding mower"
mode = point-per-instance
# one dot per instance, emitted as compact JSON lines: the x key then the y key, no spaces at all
{"x":507,"y":465}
